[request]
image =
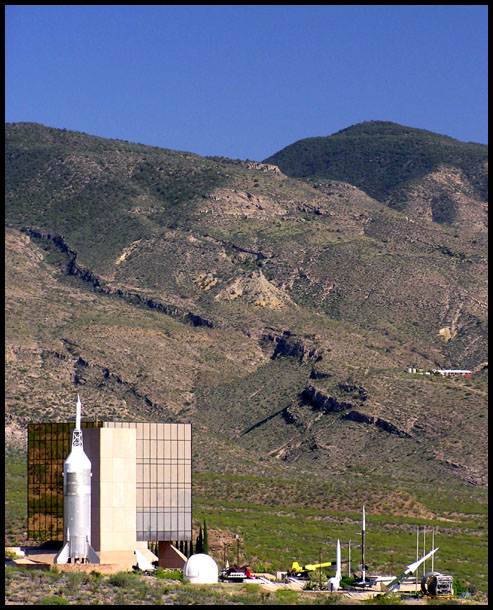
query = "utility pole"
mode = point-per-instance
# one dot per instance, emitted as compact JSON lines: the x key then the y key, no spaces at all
{"x":349,"y":560}
{"x":424,"y":549}
{"x":237,"y":550}
{"x":433,"y":546}
{"x":417,"y":555}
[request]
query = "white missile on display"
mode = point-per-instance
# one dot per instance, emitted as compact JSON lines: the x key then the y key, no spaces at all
{"x":412,"y":567}
{"x":334,"y":582}
{"x":77,"y":502}
{"x":363,"y":529}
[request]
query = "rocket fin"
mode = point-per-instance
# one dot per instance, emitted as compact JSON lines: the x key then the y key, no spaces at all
{"x":62,"y":556}
{"x":91,"y":555}
{"x":142,"y":562}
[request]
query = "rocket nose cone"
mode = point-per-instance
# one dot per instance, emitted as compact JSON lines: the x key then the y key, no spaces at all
{"x":77,"y":413}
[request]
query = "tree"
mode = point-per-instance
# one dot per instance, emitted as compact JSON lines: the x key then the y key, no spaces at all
{"x":205,"y":542}
{"x":199,"y":545}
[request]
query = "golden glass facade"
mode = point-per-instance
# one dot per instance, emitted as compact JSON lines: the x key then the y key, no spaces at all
{"x":164,"y":479}
{"x":48,"y":446}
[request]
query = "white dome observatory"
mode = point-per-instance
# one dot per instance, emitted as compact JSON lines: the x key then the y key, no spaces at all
{"x":201,"y":568}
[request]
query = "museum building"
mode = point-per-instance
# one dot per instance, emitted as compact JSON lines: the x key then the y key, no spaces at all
{"x":141,"y":486}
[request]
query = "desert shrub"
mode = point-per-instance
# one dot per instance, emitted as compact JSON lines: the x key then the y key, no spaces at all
{"x":347,"y":581}
{"x":122,"y":579}
{"x":38,"y":576}
{"x":459,"y":588}
{"x":191,"y":594}
{"x":121,"y":598}
{"x":331,"y":599}
{"x":383,"y":600}
{"x":11,"y":573}
{"x":51,"y":600}
{"x":171,"y":574}
{"x":141,"y":589}
{"x":262,"y":567}
{"x":74,"y":580}
{"x":156,"y":593}
{"x":286,"y":596}
{"x":53,"y":574}
{"x":159,"y":573}
{"x":130,"y":584}
{"x":95,"y":580}
{"x":440,"y":601}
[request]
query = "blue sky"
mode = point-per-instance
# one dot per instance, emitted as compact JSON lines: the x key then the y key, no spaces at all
{"x":244,"y":81}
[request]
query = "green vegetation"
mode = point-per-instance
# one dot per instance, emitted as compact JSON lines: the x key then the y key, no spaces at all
{"x":39,"y":588}
{"x":277,"y":534}
{"x":88,"y":208}
{"x":279,"y":319}
{"x":15,"y":499}
{"x":287,"y":519}
{"x":205,"y":541}
{"x":381,"y":600}
{"x":168,"y":574}
{"x":51,"y":600}
{"x":459,"y":588}
{"x":380,"y":157}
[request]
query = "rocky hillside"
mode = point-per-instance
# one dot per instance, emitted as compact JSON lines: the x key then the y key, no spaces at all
{"x":424,"y":174}
{"x":276,"y":314}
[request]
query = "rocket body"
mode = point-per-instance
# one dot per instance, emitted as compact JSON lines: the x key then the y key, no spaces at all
{"x":77,"y":502}
{"x":414,"y":566}
{"x":396,"y":583}
{"x":363,"y":530}
{"x":334,"y":582}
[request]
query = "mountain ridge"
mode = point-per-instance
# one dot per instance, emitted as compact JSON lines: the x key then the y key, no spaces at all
{"x":388,"y":161}
{"x":277,"y":314}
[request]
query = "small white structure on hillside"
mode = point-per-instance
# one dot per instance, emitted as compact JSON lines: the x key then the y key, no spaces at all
{"x":448,"y":372}
{"x":201,"y":569}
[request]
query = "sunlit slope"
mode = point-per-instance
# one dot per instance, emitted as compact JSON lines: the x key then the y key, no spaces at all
{"x":277,"y":317}
{"x":427,"y":175}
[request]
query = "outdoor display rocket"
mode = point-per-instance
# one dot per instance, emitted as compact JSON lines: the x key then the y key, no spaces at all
{"x":334,"y":582}
{"x":363,"y":529}
{"x":77,"y":502}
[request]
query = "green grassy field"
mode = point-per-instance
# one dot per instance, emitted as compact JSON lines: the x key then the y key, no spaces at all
{"x":15,"y":499}
{"x":280,"y":520}
{"x":273,"y":535}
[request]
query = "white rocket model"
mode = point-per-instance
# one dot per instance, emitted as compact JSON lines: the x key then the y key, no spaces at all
{"x":334,"y":582}
{"x":412,"y":567}
{"x":363,"y":532}
{"x":77,"y":503}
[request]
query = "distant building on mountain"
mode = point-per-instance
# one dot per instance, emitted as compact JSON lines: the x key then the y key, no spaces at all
{"x":443,"y":372}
